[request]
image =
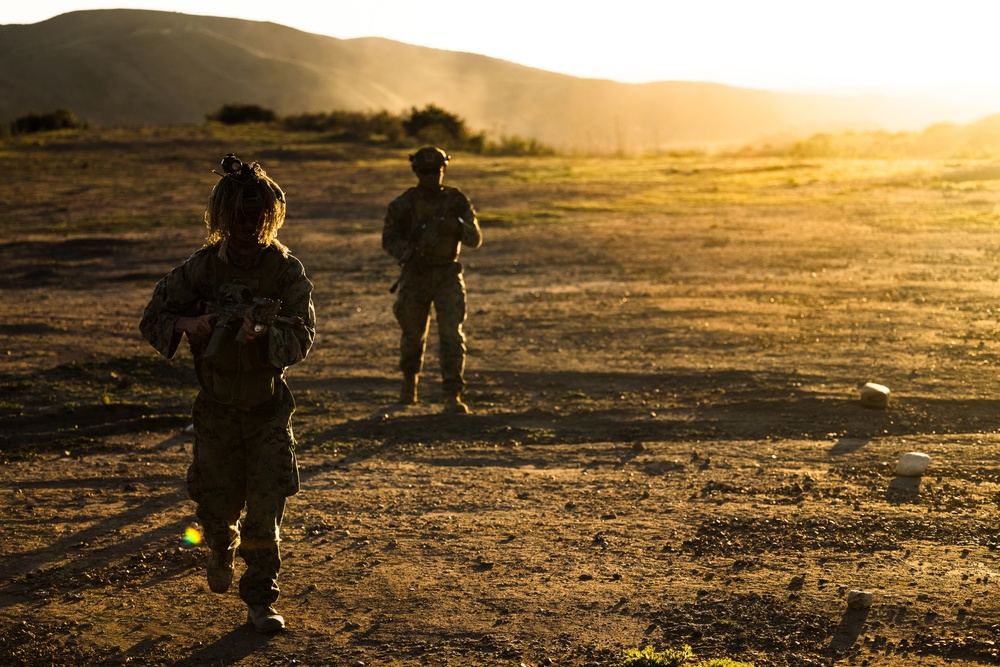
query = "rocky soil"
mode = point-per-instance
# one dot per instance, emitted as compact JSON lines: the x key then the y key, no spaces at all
{"x":667,"y":445}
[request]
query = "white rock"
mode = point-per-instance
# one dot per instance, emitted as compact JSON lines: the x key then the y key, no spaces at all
{"x":859,"y":600}
{"x":875,"y":395}
{"x":912,"y":464}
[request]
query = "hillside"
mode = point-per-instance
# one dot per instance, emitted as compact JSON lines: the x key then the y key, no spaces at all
{"x":126,"y":67}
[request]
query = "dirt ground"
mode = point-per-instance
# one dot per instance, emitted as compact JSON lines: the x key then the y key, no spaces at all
{"x":667,"y":446}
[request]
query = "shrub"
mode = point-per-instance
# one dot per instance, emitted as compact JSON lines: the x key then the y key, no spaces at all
{"x":55,"y":120}
{"x":239,"y":114}
{"x":430,"y":125}
{"x":351,"y":125}
{"x":434,"y":125}
{"x":648,"y":657}
{"x":517,"y":146}
{"x":384,"y":124}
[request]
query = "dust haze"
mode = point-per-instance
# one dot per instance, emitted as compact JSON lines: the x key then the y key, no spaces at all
{"x":134,"y":67}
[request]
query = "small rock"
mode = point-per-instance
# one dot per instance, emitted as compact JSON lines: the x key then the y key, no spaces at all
{"x":875,"y":395}
{"x":859,"y":600}
{"x":912,"y":464}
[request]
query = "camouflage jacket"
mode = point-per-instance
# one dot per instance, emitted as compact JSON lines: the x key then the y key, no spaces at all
{"x":413,"y":215}
{"x":185,"y":290}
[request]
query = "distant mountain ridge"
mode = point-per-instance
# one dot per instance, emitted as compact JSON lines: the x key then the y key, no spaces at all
{"x":129,"y":67}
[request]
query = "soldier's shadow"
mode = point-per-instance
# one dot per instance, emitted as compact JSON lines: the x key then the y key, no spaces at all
{"x":229,"y":649}
{"x":399,"y":410}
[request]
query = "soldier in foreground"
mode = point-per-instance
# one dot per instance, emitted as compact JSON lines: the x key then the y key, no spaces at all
{"x":246,"y":307}
{"x":424,"y":230}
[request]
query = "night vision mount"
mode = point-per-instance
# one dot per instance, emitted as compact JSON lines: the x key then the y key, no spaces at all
{"x":239,"y":170}
{"x":232,"y":165}
{"x":247,"y":173}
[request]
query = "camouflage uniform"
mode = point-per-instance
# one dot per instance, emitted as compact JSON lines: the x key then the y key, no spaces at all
{"x":244,"y":450}
{"x":434,"y":277}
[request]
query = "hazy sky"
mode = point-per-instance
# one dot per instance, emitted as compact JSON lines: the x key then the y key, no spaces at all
{"x":814,"y":45}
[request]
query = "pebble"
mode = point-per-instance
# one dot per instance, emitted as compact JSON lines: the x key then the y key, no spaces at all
{"x":875,"y":395}
{"x":912,"y":464}
{"x":859,"y":600}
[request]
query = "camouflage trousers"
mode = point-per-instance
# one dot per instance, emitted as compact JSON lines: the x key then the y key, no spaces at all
{"x":444,"y":288}
{"x":245,"y":459}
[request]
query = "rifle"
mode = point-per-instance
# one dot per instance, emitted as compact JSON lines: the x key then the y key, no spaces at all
{"x":238,"y":303}
{"x":427,"y":236}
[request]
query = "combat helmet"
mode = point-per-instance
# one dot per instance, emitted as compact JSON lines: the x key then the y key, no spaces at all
{"x":429,"y":156}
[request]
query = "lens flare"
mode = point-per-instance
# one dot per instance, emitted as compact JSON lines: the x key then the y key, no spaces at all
{"x":192,"y":534}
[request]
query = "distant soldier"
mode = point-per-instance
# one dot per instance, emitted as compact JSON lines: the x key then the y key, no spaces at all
{"x":246,"y":307}
{"x":425,"y":228}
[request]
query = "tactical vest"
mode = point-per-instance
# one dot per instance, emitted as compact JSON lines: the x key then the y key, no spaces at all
{"x":238,"y":373}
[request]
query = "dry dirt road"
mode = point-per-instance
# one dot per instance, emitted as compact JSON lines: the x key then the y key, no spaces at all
{"x":667,"y":446}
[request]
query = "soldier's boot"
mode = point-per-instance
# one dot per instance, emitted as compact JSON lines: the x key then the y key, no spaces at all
{"x":408,"y":394}
{"x":453,"y":403}
{"x":220,"y":567}
{"x":264,"y":618}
